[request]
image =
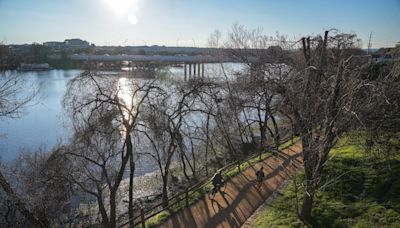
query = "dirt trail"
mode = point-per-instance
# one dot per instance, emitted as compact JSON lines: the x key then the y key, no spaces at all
{"x":241,"y":197}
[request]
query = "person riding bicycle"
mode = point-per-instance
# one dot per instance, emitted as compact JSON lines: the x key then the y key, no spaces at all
{"x":217,"y":180}
{"x":260,"y":177}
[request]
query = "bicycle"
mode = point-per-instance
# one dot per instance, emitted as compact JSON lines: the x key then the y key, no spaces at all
{"x":258,"y":183}
{"x":218,"y":188}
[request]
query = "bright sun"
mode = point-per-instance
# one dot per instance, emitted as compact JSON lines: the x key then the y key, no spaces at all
{"x":124,"y":8}
{"x":120,"y":7}
{"x":132,"y":18}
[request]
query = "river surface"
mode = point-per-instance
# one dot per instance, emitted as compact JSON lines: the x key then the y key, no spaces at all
{"x":43,"y":123}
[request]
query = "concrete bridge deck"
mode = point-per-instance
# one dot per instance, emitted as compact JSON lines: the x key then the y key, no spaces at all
{"x":169,"y":59}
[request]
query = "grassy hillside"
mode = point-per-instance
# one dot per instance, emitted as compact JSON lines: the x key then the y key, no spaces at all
{"x":358,"y":190}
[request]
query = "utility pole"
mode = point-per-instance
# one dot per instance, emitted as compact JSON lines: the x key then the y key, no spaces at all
{"x":369,"y":43}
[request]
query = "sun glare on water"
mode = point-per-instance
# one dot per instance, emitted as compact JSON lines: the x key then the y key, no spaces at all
{"x":126,"y":95}
{"x":124,"y":8}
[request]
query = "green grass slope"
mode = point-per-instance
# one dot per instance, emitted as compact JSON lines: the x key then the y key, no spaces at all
{"x":357,"y":190}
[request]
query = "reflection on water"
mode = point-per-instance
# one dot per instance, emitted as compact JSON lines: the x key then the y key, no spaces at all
{"x":126,"y":96}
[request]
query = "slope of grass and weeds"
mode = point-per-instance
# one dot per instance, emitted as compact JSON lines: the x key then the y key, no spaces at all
{"x":357,"y":190}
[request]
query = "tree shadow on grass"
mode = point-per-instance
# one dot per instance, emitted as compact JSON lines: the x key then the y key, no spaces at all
{"x":367,"y":192}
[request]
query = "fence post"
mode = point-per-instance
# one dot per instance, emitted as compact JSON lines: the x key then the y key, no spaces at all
{"x":187,"y":197}
{"x":142,"y":218}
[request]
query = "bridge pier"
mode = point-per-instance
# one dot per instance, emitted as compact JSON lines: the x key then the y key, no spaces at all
{"x":190,"y":71}
{"x":198,"y":70}
{"x":202,"y":70}
{"x":194,"y":70}
{"x":184,"y":67}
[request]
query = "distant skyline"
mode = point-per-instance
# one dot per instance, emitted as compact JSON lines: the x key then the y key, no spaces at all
{"x":190,"y":22}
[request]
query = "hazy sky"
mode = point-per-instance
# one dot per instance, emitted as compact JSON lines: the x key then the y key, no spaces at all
{"x":189,"y":22}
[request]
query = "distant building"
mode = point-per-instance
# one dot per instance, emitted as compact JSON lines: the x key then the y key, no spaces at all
{"x":384,"y":58}
{"x":67,"y":44}
{"x":21,"y":48}
{"x":34,"y":66}
{"x":54,"y":44}
{"x":383,"y":55}
{"x":76,"y":43}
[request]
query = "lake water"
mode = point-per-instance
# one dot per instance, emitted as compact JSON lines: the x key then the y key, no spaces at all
{"x":43,"y":122}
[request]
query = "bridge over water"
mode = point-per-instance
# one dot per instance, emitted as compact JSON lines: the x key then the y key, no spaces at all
{"x":193,"y":65}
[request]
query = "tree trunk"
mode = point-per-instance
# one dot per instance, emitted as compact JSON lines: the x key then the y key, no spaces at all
{"x":263,"y":130}
{"x":165,"y":189}
{"x":35,"y":222}
{"x":113,"y":213}
{"x":308,"y":199}
{"x":9,"y":211}
{"x":129,"y":149}
{"x":184,"y":166}
{"x":263,"y":135}
{"x":206,"y":158}
{"x":207,"y":142}
{"x":103,"y":212}
{"x":263,"y":138}
{"x":311,"y":183}
{"x":277,"y":138}
{"x":193,"y":168}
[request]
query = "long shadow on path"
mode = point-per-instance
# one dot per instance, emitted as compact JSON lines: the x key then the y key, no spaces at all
{"x":242,"y":197}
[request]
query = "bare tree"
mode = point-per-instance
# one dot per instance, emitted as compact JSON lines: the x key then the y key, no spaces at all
{"x":163,"y":125}
{"x":209,"y":99}
{"x":98,"y":162}
{"x":324,"y":95}
{"x":21,"y":205}
{"x":8,"y":213}
{"x":12,"y":103}
{"x":103,"y":111}
{"x":38,"y":178}
{"x":264,"y":64}
{"x":225,"y":123}
{"x":16,"y":92}
{"x":214,"y":40}
{"x":383,"y":123}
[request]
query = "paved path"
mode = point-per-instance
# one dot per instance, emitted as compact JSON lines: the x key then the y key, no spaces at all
{"x":241,"y":196}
